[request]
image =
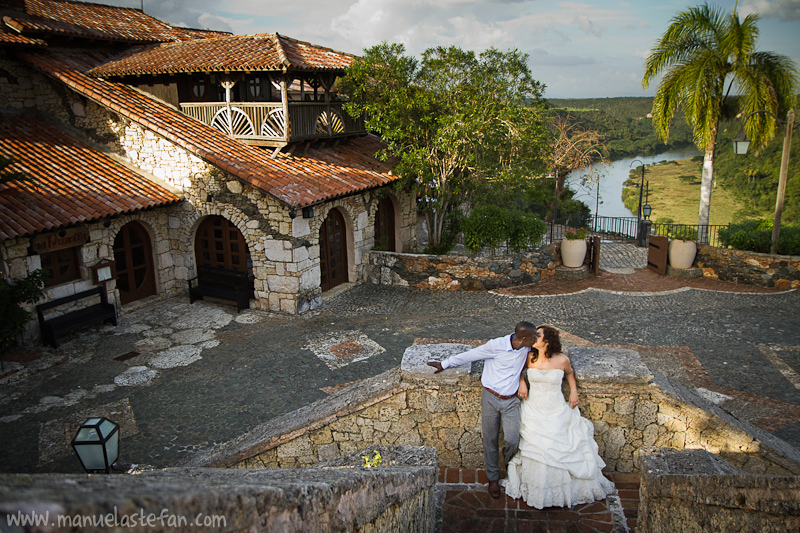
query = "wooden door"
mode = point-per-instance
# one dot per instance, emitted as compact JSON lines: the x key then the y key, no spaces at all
{"x":333,"y":251}
{"x":219,"y":243}
{"x":133,"y":253}
{"x":384,"y":225}
{"x":657,"y":254}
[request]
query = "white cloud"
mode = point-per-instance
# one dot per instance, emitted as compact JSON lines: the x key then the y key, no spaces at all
{"x":782,"y":9}
{"x":575,"y":46}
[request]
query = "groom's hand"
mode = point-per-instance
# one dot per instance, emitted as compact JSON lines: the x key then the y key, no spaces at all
{"x":437,"y":365}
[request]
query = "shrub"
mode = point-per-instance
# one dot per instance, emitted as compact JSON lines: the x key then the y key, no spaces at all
{"x":491,"y":225}
{"x":756,"y":236}
{"x":14,"y":292}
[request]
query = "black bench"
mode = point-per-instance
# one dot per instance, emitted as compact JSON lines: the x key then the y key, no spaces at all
{"x":53,"y":327}
{"x":222,"y":283}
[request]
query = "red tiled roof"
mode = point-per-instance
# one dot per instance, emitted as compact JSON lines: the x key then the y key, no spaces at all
{"x":10,"y":38}
{"x":264,"y":52}
{"x":295,"y":181}
{"x":73,"y":182}
{"x":95,"y":21}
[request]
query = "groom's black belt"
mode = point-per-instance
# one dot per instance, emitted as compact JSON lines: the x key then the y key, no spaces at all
{"x":499,"y":395}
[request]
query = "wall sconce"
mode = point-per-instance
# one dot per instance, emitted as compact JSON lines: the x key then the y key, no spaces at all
{"x":308,"y":212}
{"x":104,"y":270}
{"x":97,"y":444}
{"x":292,"y":214}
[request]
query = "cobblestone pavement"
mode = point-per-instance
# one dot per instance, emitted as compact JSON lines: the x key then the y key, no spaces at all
{"x":180,"y":378}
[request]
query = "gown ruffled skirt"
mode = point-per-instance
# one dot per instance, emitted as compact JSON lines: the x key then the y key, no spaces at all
{"x":557,"y":464}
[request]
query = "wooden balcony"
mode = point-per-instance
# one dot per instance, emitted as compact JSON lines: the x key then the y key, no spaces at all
{"x":265,"y":124}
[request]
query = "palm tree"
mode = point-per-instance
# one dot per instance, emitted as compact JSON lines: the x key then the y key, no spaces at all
{"x":707,"y":58}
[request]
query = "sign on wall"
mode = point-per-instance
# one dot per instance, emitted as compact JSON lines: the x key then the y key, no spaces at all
{"x":50,"y":242}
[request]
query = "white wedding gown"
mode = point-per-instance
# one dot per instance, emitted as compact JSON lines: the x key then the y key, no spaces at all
{"x":557,"y":464}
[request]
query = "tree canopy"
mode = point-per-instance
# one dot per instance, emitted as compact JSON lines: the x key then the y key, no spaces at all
{"x":706,"y":57}
{"x":454,"y":121}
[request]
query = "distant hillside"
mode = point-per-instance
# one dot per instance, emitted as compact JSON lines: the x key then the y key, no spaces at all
{"x":624,"y":124}
{"x":617,"y":108}
{"x":752,"y":179}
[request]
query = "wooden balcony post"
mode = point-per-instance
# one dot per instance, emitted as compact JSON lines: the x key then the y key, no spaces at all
{"x":285,"y":101}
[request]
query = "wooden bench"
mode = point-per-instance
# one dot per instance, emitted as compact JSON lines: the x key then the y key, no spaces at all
{"x":222,"y":283}
{"x":54,"y":327}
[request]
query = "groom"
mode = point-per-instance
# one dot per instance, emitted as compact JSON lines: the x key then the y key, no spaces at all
{"x":505,"y":359}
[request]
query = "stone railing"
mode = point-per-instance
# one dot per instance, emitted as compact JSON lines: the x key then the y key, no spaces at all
{"x":766,"y":270}
{"x":630,"y":407}
{"x":459,"y":272}
{"x":341,"y":496}
{"x":693,"y":490}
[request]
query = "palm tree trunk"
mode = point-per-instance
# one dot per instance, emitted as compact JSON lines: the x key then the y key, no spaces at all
{"x":706,"y":182}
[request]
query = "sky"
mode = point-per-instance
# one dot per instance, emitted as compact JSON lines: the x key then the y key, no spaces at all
{"x":588,"y":49}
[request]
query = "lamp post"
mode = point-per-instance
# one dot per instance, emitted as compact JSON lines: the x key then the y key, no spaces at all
{"x":740,"y":146}
{"x":639,"y":212}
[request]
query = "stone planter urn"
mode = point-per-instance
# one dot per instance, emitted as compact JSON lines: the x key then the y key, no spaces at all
{"x":573,"y":252}
{"x":681,"y":253}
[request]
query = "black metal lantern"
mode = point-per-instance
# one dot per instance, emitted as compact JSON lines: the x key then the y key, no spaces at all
{"x":741,"y":144}
{"x":646,"y":210}
{"x":97,"y":444}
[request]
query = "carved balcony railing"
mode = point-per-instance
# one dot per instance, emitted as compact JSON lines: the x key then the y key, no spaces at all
{"x":264,"y":123}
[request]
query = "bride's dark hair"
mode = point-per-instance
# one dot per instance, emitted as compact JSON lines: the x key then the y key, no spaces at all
{"x":551,"y":336}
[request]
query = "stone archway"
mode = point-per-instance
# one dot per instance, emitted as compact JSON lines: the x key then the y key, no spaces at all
{"x":133,"y":254}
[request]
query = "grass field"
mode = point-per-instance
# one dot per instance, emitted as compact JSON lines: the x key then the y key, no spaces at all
{"x":675,"y":194}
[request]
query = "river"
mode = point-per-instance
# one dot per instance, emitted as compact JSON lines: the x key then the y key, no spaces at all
{"x":612,"y":178}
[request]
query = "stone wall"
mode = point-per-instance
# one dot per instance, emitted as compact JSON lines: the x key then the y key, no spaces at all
{"x":459,"y":272}
{"x":284,"y":251}
{"x":629,"y":407}
{"x":751,"y":268}
{"x":397,"y":496}
{"x":693,"y":490}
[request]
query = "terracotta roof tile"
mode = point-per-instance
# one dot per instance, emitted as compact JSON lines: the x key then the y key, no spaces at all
{"x":264,"y":52}
{"x":295,"y":181}
{"x":73,"y":182}
{"x":96,"y":21}
{"x":14,"y":39}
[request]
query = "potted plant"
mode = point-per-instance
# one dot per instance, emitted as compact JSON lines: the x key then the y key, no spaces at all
{"x":573,"y":247}
{"x":682,"y":246}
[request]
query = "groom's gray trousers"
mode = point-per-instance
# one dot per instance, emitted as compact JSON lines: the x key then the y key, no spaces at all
{"x":495,"y":413}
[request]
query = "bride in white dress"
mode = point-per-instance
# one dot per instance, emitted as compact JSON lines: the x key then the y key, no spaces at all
{"x":557,"y":464}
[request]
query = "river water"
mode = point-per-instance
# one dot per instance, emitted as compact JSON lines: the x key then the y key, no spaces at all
{"x":612,"y":178}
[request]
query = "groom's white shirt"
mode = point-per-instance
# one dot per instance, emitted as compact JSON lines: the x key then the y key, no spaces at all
{"x":503,"y":364}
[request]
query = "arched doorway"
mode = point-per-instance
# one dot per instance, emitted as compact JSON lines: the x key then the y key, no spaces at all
{"x":133,"y":253}
{"x":333,"y":251}
{"x":384,"y":225}
{"x":219,"y":243}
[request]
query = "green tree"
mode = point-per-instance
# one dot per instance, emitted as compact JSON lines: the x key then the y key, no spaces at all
{"x":705,"y":56}
{"x":454,"y":121}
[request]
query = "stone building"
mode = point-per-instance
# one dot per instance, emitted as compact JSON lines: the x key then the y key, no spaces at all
{"x":157,"y":149}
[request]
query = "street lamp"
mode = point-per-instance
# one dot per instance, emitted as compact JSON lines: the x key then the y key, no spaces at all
{"x":639,"y":212}
{"x":740,"y":146}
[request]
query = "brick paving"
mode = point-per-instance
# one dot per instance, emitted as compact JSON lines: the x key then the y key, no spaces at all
{"x":468,"y":508}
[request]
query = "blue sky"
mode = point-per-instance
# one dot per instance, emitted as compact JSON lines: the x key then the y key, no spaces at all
{"x":578,"y":49}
